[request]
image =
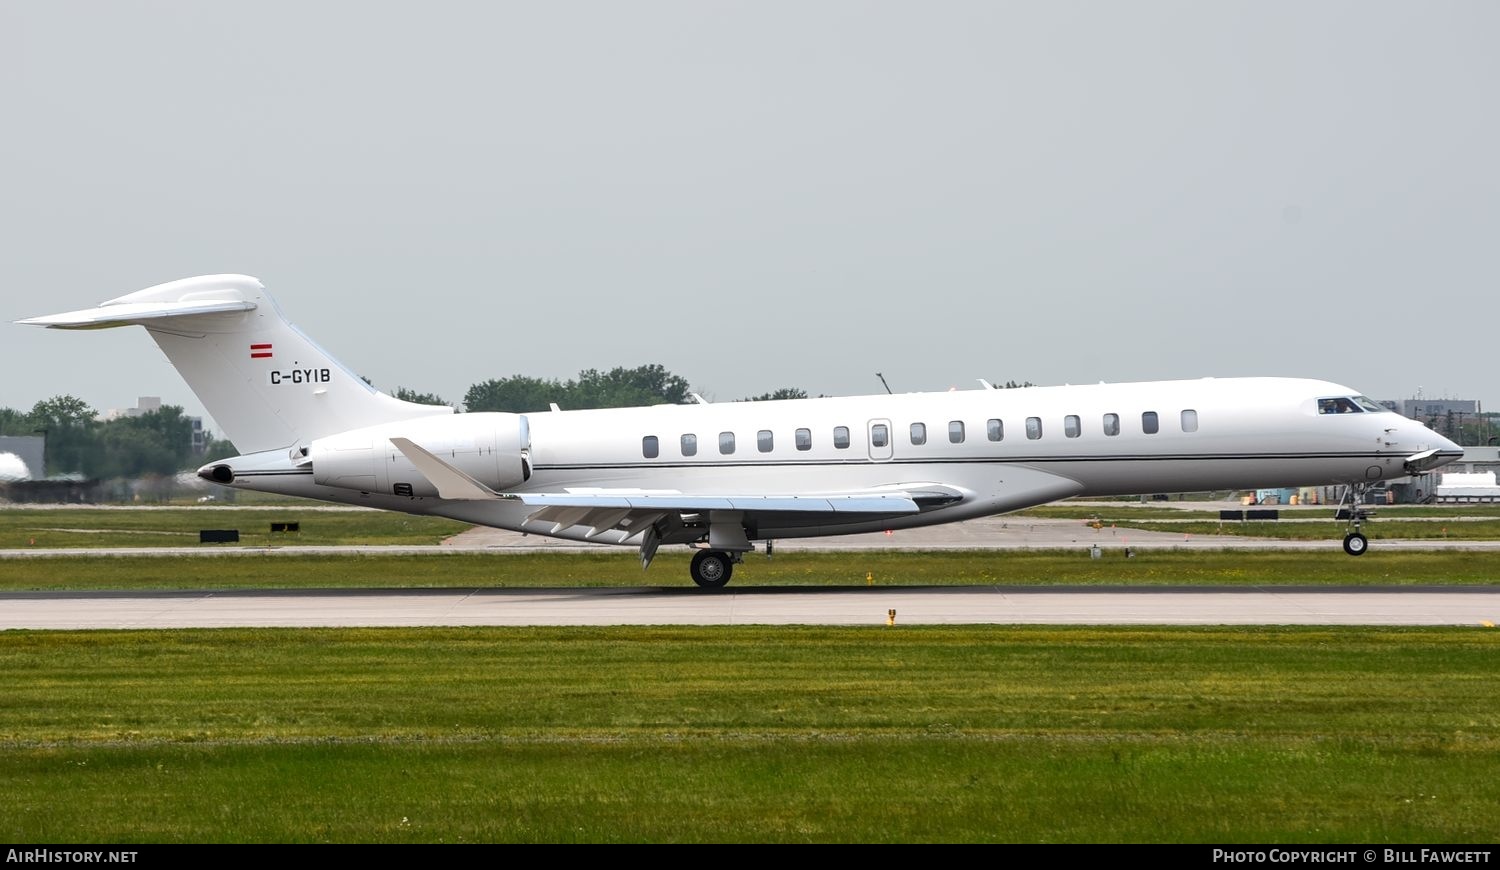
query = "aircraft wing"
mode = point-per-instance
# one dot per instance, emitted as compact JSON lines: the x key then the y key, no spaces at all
{"x":631,"y":511}
{"x":877,"y":502}
{"x":652,"y":518}
{"x":634,"y":513}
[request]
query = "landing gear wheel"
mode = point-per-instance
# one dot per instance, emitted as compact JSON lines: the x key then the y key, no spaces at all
{"x":711,"y":568}
{"x":1355,"y":544}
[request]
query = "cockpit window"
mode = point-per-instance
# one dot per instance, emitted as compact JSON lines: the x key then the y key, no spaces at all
{"x":1370,"y":404}
{"x":1340,"y":405}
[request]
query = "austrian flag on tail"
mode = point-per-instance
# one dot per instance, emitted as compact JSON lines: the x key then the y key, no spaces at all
{"x":260,"y":351}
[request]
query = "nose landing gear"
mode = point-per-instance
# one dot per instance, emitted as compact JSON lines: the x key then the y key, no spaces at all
{"x":1355,"y":543}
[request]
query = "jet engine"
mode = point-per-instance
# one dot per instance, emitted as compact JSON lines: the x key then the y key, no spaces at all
{"x":492,"y":448}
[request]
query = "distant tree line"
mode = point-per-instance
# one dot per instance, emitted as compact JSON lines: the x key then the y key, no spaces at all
{"x":157,"y":442}
{"x":617,"y":388}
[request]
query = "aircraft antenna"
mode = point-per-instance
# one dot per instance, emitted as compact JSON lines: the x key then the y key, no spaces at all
{"x":882,"y":381}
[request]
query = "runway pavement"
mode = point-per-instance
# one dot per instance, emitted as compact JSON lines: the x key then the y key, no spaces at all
{"x":751,"y":605}
{"x":763,"y":606}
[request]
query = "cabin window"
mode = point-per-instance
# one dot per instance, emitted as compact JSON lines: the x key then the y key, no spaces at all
{"x":841,"y":437}
{"x":1149,"y":423}
{"x":955,"y":431}
{"x":1339,"y":405}
{"x":994,"y":430}
{"x":1111,"y":424}
{"x":726,"y":443}
{"x":919,"y":433}
{"x":804,"y":439}
{"x":1190,"y":420}
{"x":1072,"y":428}
{"x":1033,"y":428}
{"x":690,"y":445}
{"x":650,"y":447}
{"x":880,"y":435}
{"x":763,"y":441}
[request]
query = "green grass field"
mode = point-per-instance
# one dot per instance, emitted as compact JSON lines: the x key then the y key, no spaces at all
{"x":736,"y":734}
{"x":621,"y":568}
{"x":176,"y":527}
{"x":1188,"y":511}
{"x":752,"y":734}
{"x":1421,"y":530}
{"x":53,"y":528}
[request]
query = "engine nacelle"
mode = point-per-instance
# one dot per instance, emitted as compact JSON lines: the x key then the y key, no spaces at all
{"x":492,"y":448}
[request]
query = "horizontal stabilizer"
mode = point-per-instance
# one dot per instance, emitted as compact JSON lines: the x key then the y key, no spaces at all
{"x":130,"y":313}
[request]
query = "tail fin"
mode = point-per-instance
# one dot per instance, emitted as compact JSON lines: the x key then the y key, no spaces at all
{"x":266,"y":384}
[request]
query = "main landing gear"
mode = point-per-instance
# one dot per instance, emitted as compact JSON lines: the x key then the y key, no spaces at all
{"x":1355,"y":543}
{"x":712,"y":568}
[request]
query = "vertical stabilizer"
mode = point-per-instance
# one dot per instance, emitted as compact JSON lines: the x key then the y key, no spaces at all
{"x":266,"y":384}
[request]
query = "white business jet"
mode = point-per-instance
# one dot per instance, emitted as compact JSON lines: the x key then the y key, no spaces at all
{"x":718,"y":477}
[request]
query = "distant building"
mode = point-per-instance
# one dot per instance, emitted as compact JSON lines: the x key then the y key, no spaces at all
{"x":143,"y":405}
{"x":1446,"y":416}
{"x":1424,"y":409}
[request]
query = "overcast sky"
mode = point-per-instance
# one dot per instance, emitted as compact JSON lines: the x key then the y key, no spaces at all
{"x":765,"y":194}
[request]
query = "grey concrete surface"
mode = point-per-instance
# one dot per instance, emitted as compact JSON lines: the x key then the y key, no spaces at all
{"x":777,"y":606}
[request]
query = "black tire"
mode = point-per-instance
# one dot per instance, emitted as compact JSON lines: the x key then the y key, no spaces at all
{"x":712,"y":569}
{"x":1355,"y":544}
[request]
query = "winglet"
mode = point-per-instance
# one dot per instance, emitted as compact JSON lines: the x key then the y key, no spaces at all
{"x":450,"y":482}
